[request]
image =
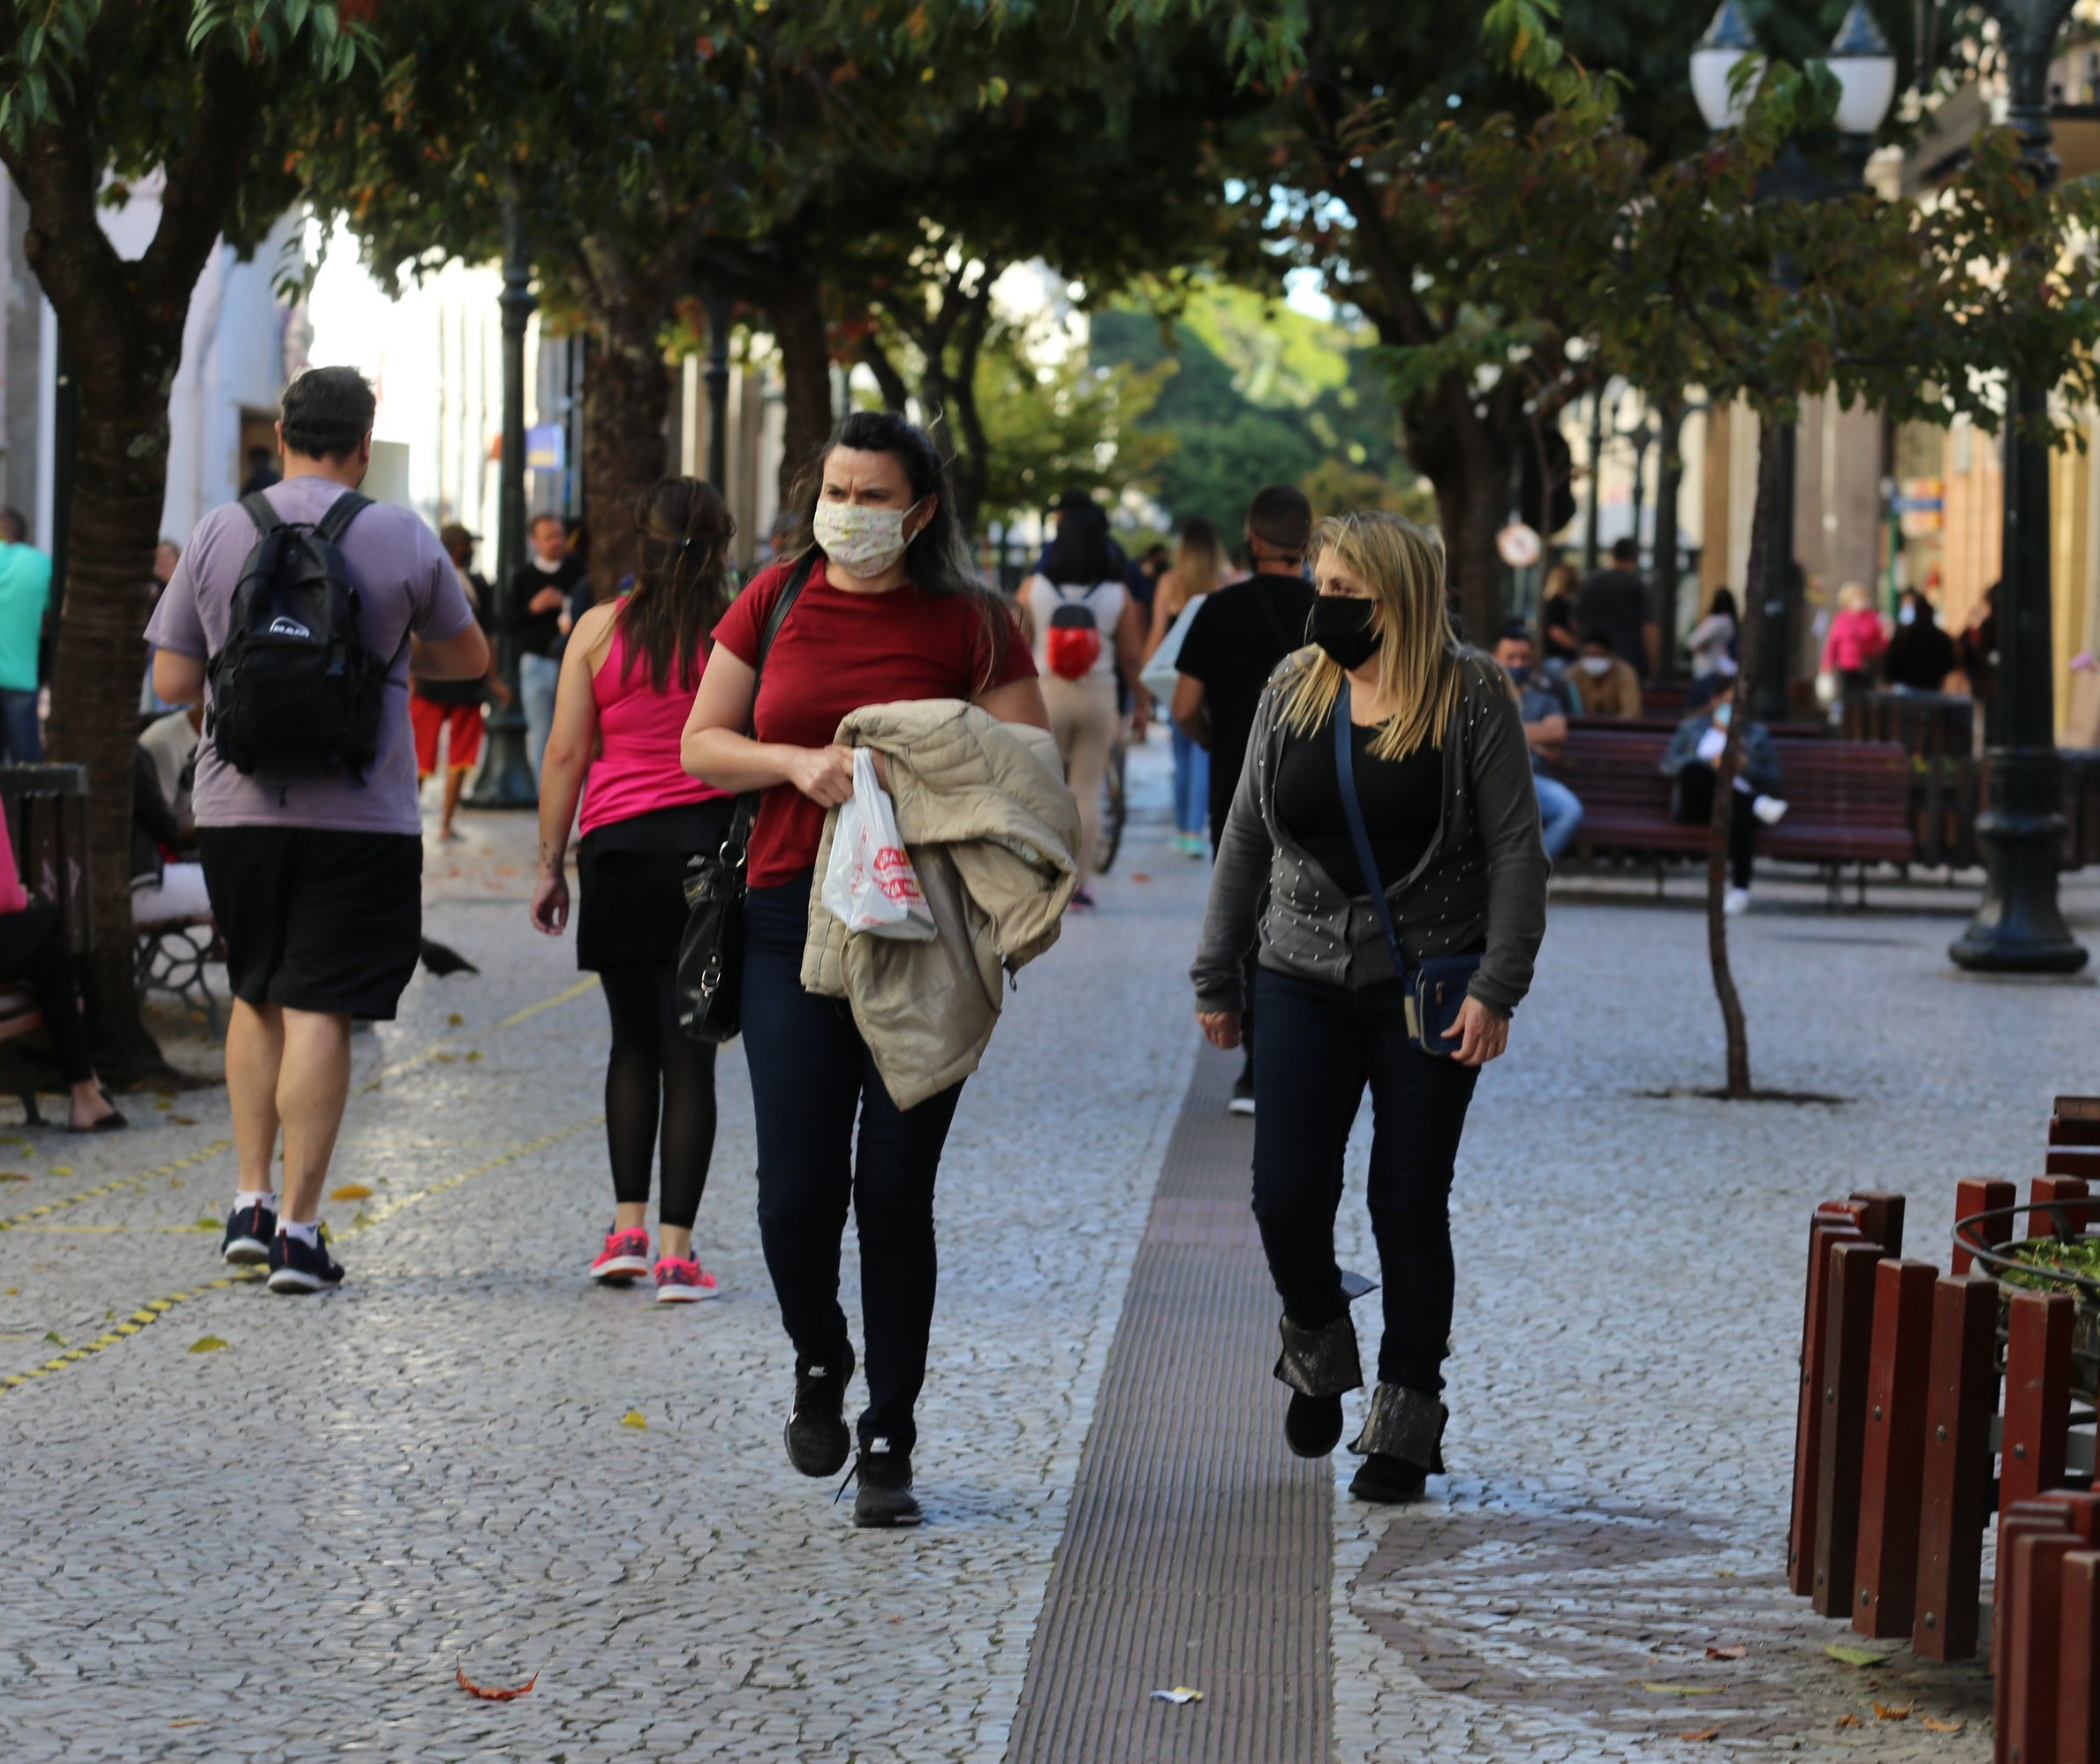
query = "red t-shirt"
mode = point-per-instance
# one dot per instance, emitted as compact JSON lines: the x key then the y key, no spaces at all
{"x":837,"y":652}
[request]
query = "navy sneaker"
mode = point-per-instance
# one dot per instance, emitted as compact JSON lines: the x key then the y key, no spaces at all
{"x":249,"y":1231}
{"x":296,"y":1267}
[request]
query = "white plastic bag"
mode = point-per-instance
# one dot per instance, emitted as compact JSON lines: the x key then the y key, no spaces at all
{"x":870,"y":882}
{"x":1160,"y":675}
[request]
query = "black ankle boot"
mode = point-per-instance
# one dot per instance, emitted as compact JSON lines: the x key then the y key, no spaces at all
{"x":1319,"y":1365}
{"x":1403,"y":1443}
{"x":817,"y":1434}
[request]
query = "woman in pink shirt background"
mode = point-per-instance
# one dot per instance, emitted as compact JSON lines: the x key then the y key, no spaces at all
{"x":1856,"y":640}
{"x":627,"y":681}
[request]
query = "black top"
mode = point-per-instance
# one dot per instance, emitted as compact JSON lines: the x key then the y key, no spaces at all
{"x":1237,"y":636}
{"x":541,"y":633}
{"x":1401,"y":802}
{"x":1557,"y":613}
{"x":1615,"y":602}
{"x":1921,"y":656}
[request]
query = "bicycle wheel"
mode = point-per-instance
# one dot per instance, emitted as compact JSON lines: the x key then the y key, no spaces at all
{"x":1114,"y":808}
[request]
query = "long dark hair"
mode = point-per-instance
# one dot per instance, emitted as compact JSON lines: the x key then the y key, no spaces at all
{"x":1079,"y":555}
{"x":684,"y":530}
{"x":937,"y":560}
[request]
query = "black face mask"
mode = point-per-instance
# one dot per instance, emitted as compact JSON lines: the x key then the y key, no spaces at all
{"x":1342,"y":627}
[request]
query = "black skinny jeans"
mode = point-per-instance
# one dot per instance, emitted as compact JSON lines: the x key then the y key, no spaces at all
{"x":1321,"y":1046}
{"x":33,"y":954}
{"x":1694,"y":805}
{"x":659,"y":1089}
{"x":811,"y":1073}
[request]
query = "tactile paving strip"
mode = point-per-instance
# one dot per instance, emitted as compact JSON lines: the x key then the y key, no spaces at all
{"x":1199,"y":1551}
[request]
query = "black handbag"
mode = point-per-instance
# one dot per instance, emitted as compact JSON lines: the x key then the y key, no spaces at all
{"x":1436,"y":987}
{"x":709,"y":977}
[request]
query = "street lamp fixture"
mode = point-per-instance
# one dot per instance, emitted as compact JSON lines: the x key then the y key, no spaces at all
{"x":1865,"y":68}
{"x":1714,"y":58}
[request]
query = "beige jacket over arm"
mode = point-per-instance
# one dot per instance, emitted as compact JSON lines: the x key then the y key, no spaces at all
{"x":983,"y":811}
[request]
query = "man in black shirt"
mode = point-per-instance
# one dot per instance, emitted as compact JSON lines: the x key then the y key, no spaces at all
{"x":1238,"y":636}
{"x":539,"y":595}
{"x":1613,"y":601}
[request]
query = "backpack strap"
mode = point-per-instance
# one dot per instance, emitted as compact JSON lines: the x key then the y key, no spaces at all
{"x":257,"y":509}
{"x":344,"y":509}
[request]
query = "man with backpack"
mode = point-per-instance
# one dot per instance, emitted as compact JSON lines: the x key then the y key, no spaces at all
{"x":298,"y":616}
{"x":1238,"y":636}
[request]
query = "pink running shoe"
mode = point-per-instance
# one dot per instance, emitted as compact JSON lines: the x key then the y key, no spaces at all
{"x":626,"y":1257}
{"x":682,"y":1281}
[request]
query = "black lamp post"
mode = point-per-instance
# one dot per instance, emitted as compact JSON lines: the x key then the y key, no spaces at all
{"x":720,"y":309}
{"x":2020,"y":927}
{"x":1865,"y":69}
{"x":506,"y":781}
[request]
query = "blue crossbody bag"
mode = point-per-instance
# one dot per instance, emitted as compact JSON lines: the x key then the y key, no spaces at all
{"x":1435,"y":988}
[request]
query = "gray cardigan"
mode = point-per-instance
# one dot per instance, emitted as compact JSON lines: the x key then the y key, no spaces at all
{"x":1483,"y":877}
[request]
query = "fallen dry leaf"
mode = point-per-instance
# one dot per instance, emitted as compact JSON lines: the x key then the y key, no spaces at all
{"x":490,"y":1693}
{"x":13,"y":1176}
{"x":62,"y":1170}
{"x":1850,"y":1720}
{"x":1703,"y":1733}
{"x":1139,"y":875}
{"x":1932,"y":1726}
{"x":446,"y":1058}
{"x":207,"y":1344}
{"x":350,"y":1191}
{"x":183,"y":1121}
{"x":1683,"y":1690}
{"x":1892,"y":1711}
{"x":1735,"y":1650}
{"x":635,"y":1419}
{"x":1854,"y":1656}
{"x":455,"y":1019}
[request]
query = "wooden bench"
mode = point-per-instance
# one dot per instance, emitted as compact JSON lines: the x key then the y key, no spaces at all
{"x":171,"y":957}
{"x":1848,"y":802}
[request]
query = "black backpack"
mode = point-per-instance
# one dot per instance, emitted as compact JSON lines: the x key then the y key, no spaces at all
{"x":293,"y":688}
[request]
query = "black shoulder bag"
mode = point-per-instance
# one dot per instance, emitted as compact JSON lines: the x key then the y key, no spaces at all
{"x":710,"y":973}
{"x":1436,"y":987}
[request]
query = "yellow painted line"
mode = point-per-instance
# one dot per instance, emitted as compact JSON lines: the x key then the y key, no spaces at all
{"x":401,"y":1203}
{"x":154,"y":1310}
{"x":425,"y":1055}
{"x":122,"y":1185}
{"x":144,"y":1317}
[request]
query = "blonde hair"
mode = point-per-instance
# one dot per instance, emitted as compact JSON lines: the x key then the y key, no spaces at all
{"x":1853,"y":598}
{"x":1198,"y":560}
{"x":1419,"y":661}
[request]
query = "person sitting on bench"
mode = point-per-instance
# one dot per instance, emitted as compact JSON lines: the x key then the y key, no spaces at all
{"x":1605,"y":685}
{"x":33,"y":952}
{"x":1692,"y":761}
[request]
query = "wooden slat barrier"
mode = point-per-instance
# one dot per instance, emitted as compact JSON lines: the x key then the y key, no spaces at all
{"x":1961,"y":1404}
{"x":2035,"y":1538}
{"x":2038,"y":1396}
{"x":1974,"y":1196}
{"x":1834,"y":1223}
{"x":1891,"y":1475}
{"x":1848,"y":1340}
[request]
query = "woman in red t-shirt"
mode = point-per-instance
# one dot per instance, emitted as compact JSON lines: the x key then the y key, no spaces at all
{"x":890,"y":611}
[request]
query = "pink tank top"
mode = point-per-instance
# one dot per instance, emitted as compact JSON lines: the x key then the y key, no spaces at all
{"x":636,"y":770}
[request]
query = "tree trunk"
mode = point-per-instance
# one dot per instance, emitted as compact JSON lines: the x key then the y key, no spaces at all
{"x":1470,"y":465}
{"x":1734,"y":1029}
{"x":627,"y":401}
{"x":795,"y":308}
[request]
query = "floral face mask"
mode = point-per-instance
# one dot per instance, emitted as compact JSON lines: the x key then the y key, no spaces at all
{"x":861,"y":542}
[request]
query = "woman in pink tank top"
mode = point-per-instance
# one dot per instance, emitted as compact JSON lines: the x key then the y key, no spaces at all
{"x":627,"y":682}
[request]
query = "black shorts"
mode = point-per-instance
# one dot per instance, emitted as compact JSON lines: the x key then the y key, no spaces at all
{"x":315,"y":919}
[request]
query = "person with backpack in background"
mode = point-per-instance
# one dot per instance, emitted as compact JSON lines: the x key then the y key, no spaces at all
{"x":298,"y":616}
{"x":628,"y":680}
{"x":1087,"y":631}
{"x":1234,"y":643}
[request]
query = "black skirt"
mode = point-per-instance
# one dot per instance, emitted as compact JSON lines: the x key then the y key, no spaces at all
{"x":631,"y":877}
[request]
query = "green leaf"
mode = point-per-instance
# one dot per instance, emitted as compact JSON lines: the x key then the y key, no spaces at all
{"x":52,"y":1335}
{"x":1854,"y":1656}
{"x":1683,"y":1690}
{"x":207,"y":1344}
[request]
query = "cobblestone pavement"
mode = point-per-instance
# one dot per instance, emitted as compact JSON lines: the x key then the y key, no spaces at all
{"x":284,"y":1545}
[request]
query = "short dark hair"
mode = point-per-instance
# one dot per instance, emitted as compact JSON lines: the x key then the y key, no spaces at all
{"x":326,"y":411}
{"x":1280,"y":518}
{"x":1515,"y":630}
{"x":13,"y":528}
{"x":1626,"y":551}
{"x":533,"y":525}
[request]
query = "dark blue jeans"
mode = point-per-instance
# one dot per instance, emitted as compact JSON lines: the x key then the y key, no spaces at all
{"x":24,"y":739}
{"x":1321,"y":1046}
{"x":811,"y":1073}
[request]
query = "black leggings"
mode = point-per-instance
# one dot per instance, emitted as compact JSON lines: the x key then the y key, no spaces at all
{"x":656,"y":1079}
{"x":1694,"y":805}
{"x":33,"y":954}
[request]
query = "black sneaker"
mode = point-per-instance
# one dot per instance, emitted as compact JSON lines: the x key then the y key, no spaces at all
{"x":817,"y":1434}
{"x":1243,"y":1097}
{"x":1389,"y":1481}
{"x":884,"y":1498}
{"x":296,"y":1267}
{"x":249,"y":1231}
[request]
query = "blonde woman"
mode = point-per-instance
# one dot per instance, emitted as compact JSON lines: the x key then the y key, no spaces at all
{"x":1398,"y":974}
{"x":1198,"y":566}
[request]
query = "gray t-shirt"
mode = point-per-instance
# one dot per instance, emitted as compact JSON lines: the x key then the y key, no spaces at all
{"x":404,"y":583}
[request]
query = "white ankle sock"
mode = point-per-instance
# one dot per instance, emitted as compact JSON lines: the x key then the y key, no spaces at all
{"x":252,"y":1197}
{"x":308,"y":1234}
